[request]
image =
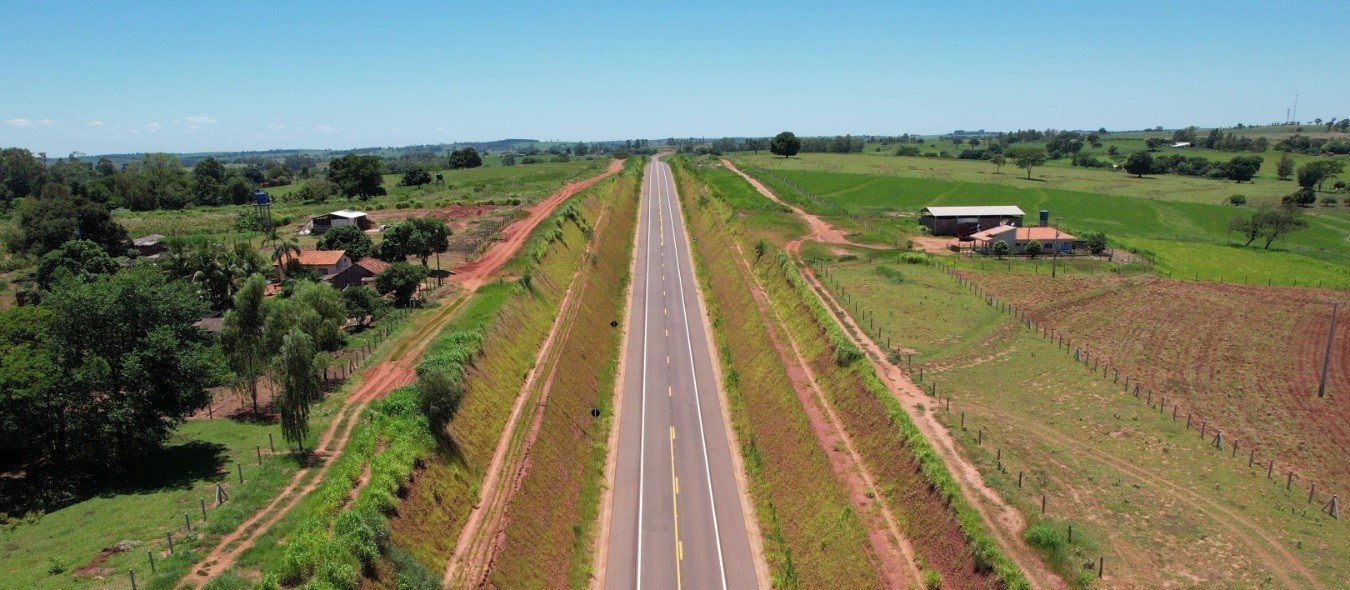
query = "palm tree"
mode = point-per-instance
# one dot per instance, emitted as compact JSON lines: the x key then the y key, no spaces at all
{"x":279,"y":255}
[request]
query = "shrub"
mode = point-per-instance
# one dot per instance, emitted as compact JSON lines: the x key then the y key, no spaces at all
{"x":1042,"y":535}
{"x":914,"y":258}
{"x":890,"y":274}
{"x":845,"y":353}
{"x":932,"y":580}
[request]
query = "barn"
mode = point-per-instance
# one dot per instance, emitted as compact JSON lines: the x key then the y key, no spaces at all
{"x":322,"y":223}
{"x":963,"y":221}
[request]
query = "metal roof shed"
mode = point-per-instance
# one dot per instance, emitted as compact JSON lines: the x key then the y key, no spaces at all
{"x":962,"y":221}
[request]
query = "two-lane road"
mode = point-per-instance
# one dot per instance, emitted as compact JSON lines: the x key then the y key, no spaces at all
{"x":676,"y":517}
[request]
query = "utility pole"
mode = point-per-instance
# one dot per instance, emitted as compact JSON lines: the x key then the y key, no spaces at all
{"x":1054,"y":263}
{"x":1326,"y":358}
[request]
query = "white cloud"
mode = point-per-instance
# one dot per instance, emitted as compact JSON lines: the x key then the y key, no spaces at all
{"x":21,"y":122}
{"x":440,"y":130}
{"x":325,"y":129}
{"x":152,"y":127}
{"x":277,"y":126}
{"x":94,"y":123}
{"x":200,"y":120}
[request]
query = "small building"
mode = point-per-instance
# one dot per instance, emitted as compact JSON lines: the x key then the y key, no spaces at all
{"x":1017,"y":238}
{"x":322,"y":223}
{"x":963,"y":221}
{"x":149,"y":245}
{"x":363,"y":272}
{"x":327,"y":263}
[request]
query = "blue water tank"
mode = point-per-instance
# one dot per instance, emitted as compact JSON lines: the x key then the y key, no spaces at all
{"x":1045,"y":218}
{"x":260,"y":198}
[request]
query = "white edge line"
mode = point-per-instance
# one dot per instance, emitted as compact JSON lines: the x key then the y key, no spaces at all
{"x":679,"y":273}
{"x":642,"y":406}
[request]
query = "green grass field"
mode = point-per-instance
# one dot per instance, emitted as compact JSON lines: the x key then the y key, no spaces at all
{"x":1185,"y":238}
{"x":528,"y":183}
{"x":1058,"y":174}
{"x":143,"y":505}
{"x":1147,"y":493}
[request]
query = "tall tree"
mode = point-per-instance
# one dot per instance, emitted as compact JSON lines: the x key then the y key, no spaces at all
{"x":81,"y":260}
{"x":128,"y":347}
{"x":416,"y":176}
{"x":362,"y":303}
{"x":21,"y":174}
{"x":348,"y":238}
{"x":998,"y":160}
{"x":1028,"y":158}
{"x":466,"y":157}
{"x":415,"y":236}
{"x":1243,"y":168}
{"x":284,"y":252}
{"x":1315,"y":174}
{"x":785,"y":144}
{"x":241,"y":336}
{"x":299,"y":370}
{"x":1285,"y":168}
{"x":402,"y":280}
{"x":357,"y":176}
{"x":330,"y":313}
{"x":1280,"y":222}
{"x":1139,"y":164}
{"x":44,"y":224}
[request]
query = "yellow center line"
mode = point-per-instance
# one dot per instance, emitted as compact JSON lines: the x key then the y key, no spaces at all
{"x":675,"y":510}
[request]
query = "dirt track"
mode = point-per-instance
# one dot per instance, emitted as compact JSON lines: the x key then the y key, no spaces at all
{"x":895,"y":554}
{"x":482,"y":536}
{"x":1002,"y":521}
{"x":377,"y":381}
{"x":472,"y":274}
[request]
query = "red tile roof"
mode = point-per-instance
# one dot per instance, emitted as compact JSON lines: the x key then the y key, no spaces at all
{"x":1024,"y":234}
{"x":372,"y":265}
{"x":317,"y":257}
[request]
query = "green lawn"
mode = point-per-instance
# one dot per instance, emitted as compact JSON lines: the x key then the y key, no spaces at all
{"x":528,"y":183}
{"x":1057,"y":174}
{"x":1188,"y":238}
{"x":142,"y":506}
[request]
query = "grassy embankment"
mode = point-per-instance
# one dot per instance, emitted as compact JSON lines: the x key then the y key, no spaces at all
{"x":1184,"y":239}
{"x":946,"y":533}
{"x":514,"y":322}
{"x":813,"y":537}
{"x":334,"y":536}
{"x":1162,"y":505}
{"x":550,"y":525}
{"x":144,"y":504}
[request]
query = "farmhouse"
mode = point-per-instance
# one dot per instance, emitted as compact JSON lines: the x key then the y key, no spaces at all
{"x":1017,"y":238}
{"x":363,"y":272}
{"x":149,"y":245}
{"x":322,"y":223}
{"x":963,"y":221}
{"x":327,"y":263}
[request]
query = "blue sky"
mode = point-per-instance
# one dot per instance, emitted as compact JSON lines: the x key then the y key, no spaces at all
{"x":198,"y":76}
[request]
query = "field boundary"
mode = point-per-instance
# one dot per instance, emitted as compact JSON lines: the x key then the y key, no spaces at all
{"x":1093,"y":361}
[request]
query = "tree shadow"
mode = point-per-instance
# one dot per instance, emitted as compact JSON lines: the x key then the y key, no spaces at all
{"x":173,"y":467}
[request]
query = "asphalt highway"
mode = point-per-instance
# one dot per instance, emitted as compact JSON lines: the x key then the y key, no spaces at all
{"x":676,"y":518}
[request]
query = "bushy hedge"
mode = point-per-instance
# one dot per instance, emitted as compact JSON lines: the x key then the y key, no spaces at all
{"x":982,"y":546}
{"x":845,"y":352}
{"x":440,"y":377}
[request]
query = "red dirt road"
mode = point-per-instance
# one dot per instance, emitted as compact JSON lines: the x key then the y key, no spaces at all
{"x":377,"y":381}
{"x":472,"y":274}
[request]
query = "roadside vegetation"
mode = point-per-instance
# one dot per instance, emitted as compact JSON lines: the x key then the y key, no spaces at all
{"x":812,"y":535}
{"x":550,"y":525}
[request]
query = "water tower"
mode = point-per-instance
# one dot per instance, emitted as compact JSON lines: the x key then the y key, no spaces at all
{"x":262,"y":207}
